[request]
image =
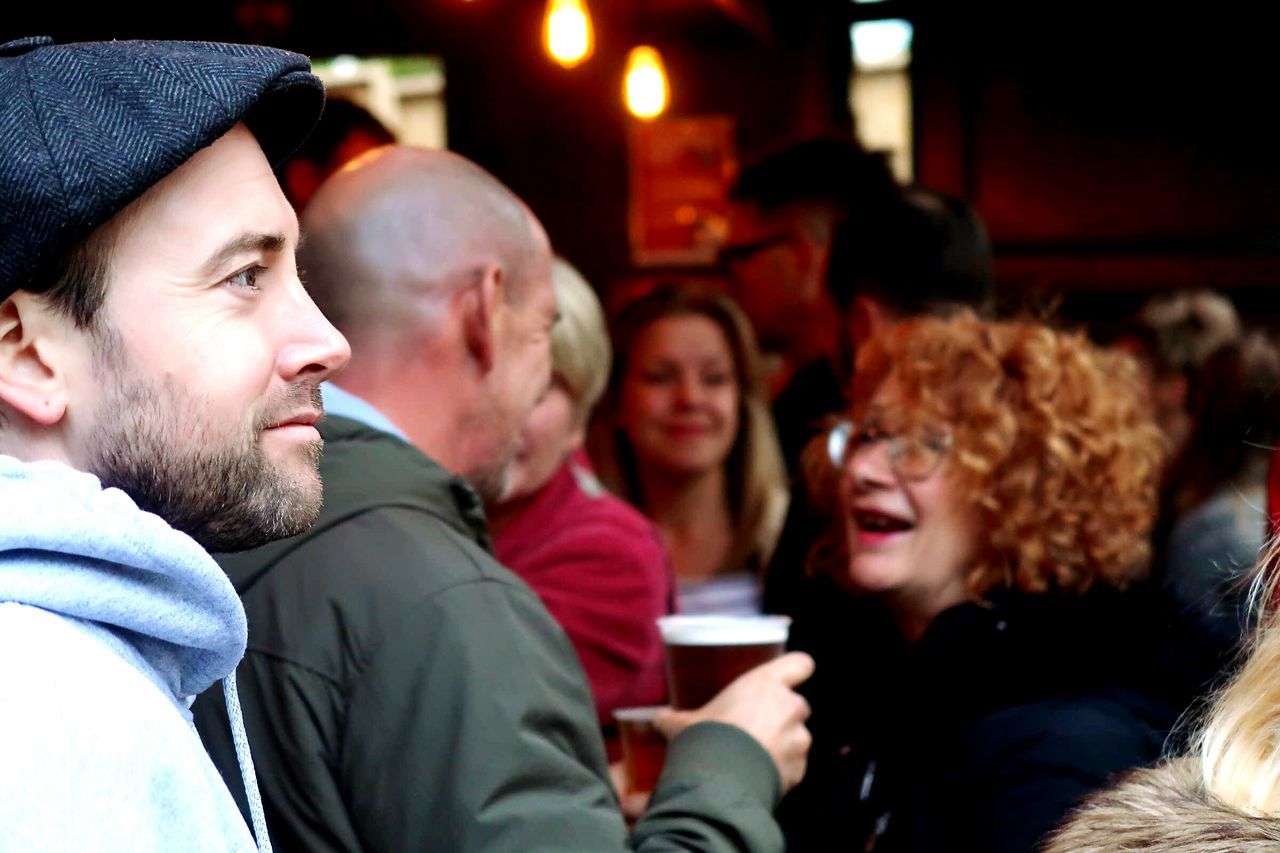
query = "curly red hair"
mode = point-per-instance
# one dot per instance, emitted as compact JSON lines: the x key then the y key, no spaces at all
{"x":1050,"y":441}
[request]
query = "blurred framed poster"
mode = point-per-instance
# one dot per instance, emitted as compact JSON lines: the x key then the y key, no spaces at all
{"x":679,"y":172}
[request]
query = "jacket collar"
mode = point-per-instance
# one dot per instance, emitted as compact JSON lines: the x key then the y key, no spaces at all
{"x":364,"y":468}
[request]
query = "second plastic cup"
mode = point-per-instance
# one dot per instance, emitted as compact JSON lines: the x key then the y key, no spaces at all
{"x":644,"y":749}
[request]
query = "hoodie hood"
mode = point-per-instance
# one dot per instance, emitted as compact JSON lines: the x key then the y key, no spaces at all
{"x":71,"y":547}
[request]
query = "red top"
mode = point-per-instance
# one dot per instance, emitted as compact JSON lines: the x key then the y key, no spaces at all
{"x":599,"y":567}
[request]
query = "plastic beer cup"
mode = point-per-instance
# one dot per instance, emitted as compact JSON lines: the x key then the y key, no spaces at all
{"x":706,"y":653}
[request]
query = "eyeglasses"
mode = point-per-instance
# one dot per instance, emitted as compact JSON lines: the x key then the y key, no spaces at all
{"x":912,"y":457}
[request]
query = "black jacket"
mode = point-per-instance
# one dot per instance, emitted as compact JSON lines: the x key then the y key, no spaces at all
{"x":403,"y":691}
{"x":983,"y":735}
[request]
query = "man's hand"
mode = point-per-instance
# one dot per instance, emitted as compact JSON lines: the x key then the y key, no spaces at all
{"x":762,"y":703}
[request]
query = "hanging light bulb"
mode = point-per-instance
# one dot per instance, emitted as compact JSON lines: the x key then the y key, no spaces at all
{"x":646,"y":83}
{"x":566,"y":31}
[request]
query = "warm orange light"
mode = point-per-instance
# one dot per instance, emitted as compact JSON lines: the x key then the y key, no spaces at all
{"x":646,"y":83}
{"x":566,"y":31}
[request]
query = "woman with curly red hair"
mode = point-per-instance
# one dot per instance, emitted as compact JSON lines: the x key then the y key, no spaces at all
{"x":991,"y":494}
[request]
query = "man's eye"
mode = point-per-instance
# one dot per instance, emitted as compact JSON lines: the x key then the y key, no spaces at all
{"x":246,"y":279}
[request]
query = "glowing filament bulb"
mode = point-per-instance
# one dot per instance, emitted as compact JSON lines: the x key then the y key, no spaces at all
{"x":566,"y":29}
{"x":646,"y":83}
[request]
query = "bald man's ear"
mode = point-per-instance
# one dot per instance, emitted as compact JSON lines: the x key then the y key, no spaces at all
{"x":478,"y":304}
{"x":31,"y":382}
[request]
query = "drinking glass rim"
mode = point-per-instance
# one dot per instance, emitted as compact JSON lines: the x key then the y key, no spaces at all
{"x":639,"y":713}
{"x":716,"y":619}
{"x":774,"y":628}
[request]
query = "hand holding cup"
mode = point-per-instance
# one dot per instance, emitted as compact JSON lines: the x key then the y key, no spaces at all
{"x":763,"y":703}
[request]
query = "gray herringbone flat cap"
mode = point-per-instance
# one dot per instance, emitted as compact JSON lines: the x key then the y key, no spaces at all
{"x":86,"y":128}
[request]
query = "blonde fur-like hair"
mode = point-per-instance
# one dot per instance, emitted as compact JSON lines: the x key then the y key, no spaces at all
{"x":756,"y":476}
{"x":1238,"y":746}
{"x":580,"y":351}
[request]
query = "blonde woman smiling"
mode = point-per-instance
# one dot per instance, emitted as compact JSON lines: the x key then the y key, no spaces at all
{"x":685,"y":435}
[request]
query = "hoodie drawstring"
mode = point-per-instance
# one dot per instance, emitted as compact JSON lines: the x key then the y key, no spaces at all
{"x":247,"y":773}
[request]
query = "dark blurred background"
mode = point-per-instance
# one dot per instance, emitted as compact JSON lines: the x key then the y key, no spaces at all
{"x":1113,"y":152}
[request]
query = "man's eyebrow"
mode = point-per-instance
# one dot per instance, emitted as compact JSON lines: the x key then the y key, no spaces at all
{"x":243,"y":244}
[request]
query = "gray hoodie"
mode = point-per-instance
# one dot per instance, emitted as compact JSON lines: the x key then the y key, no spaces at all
{"x":110,"y":623}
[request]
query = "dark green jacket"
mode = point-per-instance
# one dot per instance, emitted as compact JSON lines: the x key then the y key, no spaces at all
{"x":403,"y":691}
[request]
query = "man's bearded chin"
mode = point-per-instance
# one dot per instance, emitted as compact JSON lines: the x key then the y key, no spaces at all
{"x":222,"y":490}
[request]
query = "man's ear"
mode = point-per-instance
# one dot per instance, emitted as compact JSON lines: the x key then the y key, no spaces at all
{"x":867,"y":316}
{"x":31,"y":381}
{"x":478,"y":304}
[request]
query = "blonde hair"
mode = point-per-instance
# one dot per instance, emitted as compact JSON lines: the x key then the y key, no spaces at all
{"x":755,"y":473}
{"x":1050,"y":442}
{"x":580,"y":351}
{"x":1238,"y":746}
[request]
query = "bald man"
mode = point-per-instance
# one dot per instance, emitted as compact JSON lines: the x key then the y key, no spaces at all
{"x":403,"y":691}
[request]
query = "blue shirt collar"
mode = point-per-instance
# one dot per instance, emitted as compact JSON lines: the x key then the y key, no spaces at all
{"x":344,"y":404}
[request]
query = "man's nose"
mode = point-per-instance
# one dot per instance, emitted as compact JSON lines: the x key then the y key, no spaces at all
{"x":316,"y":350}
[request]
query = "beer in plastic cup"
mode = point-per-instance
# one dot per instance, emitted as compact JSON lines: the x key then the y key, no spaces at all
{"x":705,"y":653}
{"x":644,"y":749}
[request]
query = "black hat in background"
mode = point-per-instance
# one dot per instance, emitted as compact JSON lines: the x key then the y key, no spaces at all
{"x":87,"y":128}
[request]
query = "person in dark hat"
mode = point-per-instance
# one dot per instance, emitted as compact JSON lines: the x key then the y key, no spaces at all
{"x":159,"y":373}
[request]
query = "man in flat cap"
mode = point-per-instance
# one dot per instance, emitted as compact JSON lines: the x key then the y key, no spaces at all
{"x":159,"y":373}
{"x":403,"y":690}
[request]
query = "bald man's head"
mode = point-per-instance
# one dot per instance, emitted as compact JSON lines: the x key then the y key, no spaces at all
{"x":393,"y":235}
{"x":441,"y":279}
